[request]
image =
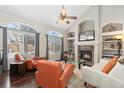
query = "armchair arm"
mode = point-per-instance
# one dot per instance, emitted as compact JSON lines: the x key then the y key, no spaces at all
{"x":29,"y":64}
{"x":99,"y":79}
{"x":66,"y":75}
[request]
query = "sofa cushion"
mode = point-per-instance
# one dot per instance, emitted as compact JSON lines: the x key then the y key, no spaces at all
{"x":99,"y":66}
{"x":108,"y":67}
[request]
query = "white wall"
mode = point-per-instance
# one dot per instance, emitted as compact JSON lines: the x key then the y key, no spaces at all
{"x":5,"y":18}
{"x":112,"y":13}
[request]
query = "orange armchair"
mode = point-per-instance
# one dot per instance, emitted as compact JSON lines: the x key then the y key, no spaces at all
{"x":50,"y":74}
{"x":35,"y":60}
{"x":30,"y":63}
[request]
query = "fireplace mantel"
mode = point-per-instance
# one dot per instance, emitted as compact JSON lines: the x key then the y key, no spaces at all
{"x":87,"y":43}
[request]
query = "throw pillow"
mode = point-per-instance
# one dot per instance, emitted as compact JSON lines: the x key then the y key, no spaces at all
{"x":108,"y":67}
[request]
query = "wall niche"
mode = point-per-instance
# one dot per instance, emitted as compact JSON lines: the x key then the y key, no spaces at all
{"x":112,"y":27}
{"x":71,"y":35}
{"x":86,"y":30}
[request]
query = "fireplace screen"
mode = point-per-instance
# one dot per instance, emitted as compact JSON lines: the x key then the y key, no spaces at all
{"x":86,"y":55}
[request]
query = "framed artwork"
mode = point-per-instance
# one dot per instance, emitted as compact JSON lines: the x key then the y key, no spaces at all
{"x":87,"y":35}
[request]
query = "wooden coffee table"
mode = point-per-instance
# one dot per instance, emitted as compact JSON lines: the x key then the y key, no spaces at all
{"x":17,"y":68}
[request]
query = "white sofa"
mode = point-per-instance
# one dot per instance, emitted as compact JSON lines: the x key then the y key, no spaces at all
{"x":96,"y":78}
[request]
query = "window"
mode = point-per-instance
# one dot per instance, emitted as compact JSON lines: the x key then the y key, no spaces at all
{"x":54,"y":42}
{"x":21,"y":39}
{"x":23,"y":43}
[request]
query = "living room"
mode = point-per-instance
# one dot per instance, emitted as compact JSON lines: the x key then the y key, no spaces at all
{"x":74,"y":46}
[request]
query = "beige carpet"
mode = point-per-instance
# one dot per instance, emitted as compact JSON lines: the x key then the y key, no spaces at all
{"x":76,"y":80}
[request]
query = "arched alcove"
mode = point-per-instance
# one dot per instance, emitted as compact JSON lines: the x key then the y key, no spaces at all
{"x":86,"y":30}
{"x":112,"y":27}
{"x":71,"y":35}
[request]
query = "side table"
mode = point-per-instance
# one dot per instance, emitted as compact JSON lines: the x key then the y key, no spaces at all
{"x":17,"y":68}
{"x":81,"y":62}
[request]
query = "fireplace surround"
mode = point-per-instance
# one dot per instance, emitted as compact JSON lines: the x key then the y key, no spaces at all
{"x":86,"y":53}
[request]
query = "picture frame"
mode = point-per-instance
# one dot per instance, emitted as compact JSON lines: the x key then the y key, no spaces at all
{"x":87,"y":35}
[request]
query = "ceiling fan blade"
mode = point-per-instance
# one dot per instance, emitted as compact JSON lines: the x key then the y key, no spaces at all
{"x":71,"y":17}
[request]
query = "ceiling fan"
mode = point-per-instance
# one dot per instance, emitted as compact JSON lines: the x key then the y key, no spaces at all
{"x":64,"y":18}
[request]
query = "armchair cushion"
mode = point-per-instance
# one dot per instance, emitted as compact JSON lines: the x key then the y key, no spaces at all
{"x":48,"y":73}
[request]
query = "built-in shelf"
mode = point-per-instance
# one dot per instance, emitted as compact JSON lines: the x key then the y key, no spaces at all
{"x":107,"y":56}
{"x":113,"y":33}
{"x":71,"y":38}
{"x":71,"y":41}
{"x":113,"y":41}
{"x":111,"y":49}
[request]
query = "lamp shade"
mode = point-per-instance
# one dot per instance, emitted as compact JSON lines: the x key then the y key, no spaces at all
{"x":119,"y":36}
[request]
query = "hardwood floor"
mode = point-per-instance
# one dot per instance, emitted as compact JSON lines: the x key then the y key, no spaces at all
{"x":25,"y":81}
{"x":5,"y":80}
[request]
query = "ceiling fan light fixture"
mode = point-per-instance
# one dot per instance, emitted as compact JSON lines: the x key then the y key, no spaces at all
{"x":63,"y":18}
{"x":63,"y":12}
{"x":61,"y":21}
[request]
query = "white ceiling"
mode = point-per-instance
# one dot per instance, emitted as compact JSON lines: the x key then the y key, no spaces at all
{"x":46,"y":14}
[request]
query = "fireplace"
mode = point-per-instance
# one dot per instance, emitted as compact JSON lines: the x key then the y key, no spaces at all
{"x":86,"y":52}
{"x":86,"y":55}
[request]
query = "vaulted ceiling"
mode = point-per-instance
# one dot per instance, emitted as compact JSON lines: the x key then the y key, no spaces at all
{"x":46,"y":14}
